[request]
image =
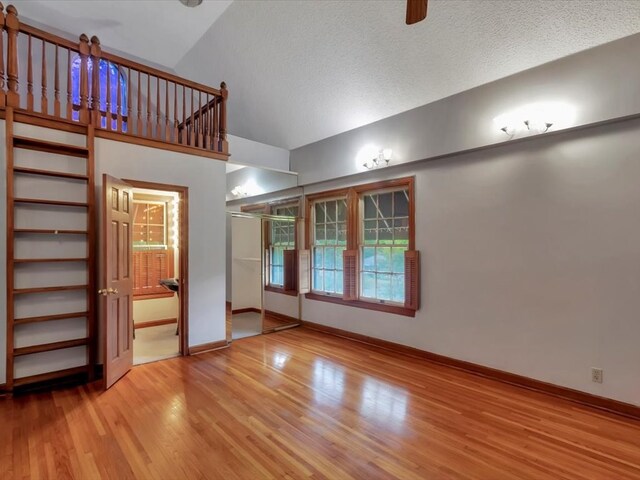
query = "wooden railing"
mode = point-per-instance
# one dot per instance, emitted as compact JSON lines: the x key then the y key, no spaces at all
{"x":110,"y":92}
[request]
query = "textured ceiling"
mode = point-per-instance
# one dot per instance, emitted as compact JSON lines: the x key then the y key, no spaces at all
{"x":160,"y":31}
{"x":300,"y":71}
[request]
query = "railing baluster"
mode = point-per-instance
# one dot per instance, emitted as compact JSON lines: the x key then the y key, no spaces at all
{"x":139,"y":112}
{"x":108,"y":102}
{"x":118,"y":101}
{"x":29,"y":77}
{"x":84,"y":78}
{"x":216,"y":129}
{"x":56,"y":86}
{"x":224,"y":145}
{"x":200,"y":119}
{"x":129,"y":100}
{"x":12,"y":25}
{"x":44,"y":103}
{"x":96,"y":53}
{"x":69,"y":87}
{"x":192,"y":132}
{"x":3,"y":95}
{"x":207,"y":133}
{"x":176,"y":139}
{"x":149,"y":126}
{"x":184,"y":115}
{"x":167,"y":128}
{"x":158,"y":109}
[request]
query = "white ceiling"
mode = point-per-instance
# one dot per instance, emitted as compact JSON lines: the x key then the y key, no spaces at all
{"x":300,"y":71}
{"x":160,"y":31}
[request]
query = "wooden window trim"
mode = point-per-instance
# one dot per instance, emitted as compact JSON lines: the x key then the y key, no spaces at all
{"x":352,"y":195}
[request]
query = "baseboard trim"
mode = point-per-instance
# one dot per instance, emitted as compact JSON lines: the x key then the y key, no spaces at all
{"x":246,"y":310}
{"x":281,"y":316}
{"x":576,"y":396}
{"x":207,"y":347}
{"x":155,"y":323}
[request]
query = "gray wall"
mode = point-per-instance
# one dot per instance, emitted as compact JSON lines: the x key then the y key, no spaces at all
{"x":601,"y":84}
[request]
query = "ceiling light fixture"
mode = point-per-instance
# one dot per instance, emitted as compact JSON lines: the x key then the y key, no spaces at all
{"x":382,"y":160}
{"x":191,"y":3}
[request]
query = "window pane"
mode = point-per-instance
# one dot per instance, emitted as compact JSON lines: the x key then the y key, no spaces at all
{"x":397,"y":260}
{"x":385,"y":205}
{"x":277,"y":275}
{"x":319,"y":212}
{"x":317,"y":257}
{"x":342,"y":233}
{"x":385,"y":235}
{"x":317,"y":279}
{"x":369,"y":207}
{"x":400,"y":204}
{"x":329,"y":258}
{"x":369,"y":259}
{"x":369,"y":285}
{"x":383,"y":286}
{"x":342,"y":210}
{"x":320,"y":232}
{"x":339,"y":252}
{"x":329,"y":282}
{"x":397,"y":287}
{"x":401,"y":231}
{"x":383,"y":259}
{"x":370,"y":229}
{"x":339,"y":280}
{"x":330,"y":211}
{"x":331,"y":234}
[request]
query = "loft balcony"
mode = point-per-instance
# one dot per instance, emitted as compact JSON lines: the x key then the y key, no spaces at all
{"x":42,"y":74}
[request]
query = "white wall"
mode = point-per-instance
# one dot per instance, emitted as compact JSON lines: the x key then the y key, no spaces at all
{"x":3,"y":252}
{"x":155,"y":309}
{"x":206,"y":181}
{"x":281,"y":303}
{"x":248,"y":152}
{"x":246,"y":264}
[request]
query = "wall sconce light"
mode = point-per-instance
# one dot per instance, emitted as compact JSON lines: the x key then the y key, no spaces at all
{"x":535,"y":118}
{"x":382,"y":160}
{"x":239,"y":191}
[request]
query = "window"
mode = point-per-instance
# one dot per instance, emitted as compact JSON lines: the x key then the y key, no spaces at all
{"x":384,"y":237}
{"x":116,"y":79}
{"x":282,"y":237}
{"x":329,"y":242}
{"x":361,"y":242}
{"x":149,"y":225}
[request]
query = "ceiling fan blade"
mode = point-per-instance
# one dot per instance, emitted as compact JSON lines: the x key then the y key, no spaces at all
{"x":416,"y":11}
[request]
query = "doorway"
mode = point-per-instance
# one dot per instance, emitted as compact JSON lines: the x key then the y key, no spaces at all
{"x":145,"y":274}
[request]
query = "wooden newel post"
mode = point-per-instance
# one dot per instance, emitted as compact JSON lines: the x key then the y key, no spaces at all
{"x":3,"y":95}
{"x":224,"y":144}
{"x":84,"y":50}
{"x":12,"y":25}
{"x":96,"y":53}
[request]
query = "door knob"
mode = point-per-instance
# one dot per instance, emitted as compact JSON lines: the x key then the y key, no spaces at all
{"x":107,"y":291}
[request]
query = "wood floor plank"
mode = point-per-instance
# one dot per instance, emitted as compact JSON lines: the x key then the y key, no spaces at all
{"x":300,"y":404}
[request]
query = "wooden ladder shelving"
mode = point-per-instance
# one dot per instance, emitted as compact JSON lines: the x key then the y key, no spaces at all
{"x":28,"y":231}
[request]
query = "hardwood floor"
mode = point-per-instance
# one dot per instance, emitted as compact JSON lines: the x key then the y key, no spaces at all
{"x":301,"y":404}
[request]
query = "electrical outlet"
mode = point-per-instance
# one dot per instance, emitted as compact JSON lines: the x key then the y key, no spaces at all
{"x":597,"y":375}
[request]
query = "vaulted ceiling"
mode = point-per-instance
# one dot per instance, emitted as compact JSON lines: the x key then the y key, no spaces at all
{"x":159,"y":31}
{"x":300,"y":70}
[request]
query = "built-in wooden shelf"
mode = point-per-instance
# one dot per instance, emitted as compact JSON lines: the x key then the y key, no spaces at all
{"x":43,"y":377}
{"x":39,"y":201}
{"x":50,"y":147}
{"x":19,"y":291}
{"x":48,"y":318}
{"x":48,"y":347}
{"x":49,"y":260}
{"x":50,"y":173}
{"x":45,"y":231}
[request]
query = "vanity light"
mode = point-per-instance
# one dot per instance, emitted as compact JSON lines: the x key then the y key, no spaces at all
{"x":382,"y":160}
{"x":536,"y":118}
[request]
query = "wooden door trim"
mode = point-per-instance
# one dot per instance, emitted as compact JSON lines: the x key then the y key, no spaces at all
{"x":183,"y":213}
